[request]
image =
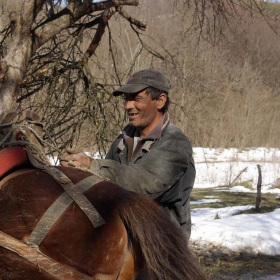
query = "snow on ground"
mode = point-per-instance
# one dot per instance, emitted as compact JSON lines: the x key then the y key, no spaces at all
{"x":222,"y":166}
{"x":253,"y":233}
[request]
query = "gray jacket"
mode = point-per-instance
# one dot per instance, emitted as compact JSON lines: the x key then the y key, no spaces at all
{"x":161,"y":168}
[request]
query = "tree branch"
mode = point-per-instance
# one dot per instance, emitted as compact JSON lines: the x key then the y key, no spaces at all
{"x":99,"y":32}
{"x":69,"y":15}
{"x":141,"y":25}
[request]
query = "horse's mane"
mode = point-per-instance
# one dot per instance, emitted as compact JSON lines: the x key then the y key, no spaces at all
{"x":158,"y":235}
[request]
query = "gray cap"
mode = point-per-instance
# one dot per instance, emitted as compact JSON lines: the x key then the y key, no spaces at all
{"x":143,"y":79}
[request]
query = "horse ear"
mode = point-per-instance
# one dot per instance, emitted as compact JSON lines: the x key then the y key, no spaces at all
{"x":7,"y":116}
{"x":30,"y":115}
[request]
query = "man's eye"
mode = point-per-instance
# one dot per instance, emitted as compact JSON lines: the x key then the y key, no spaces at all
{"x":131,"y":98}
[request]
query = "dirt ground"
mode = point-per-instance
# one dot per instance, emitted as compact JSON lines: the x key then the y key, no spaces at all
{"x":222,"y":264}
{"x":247,"y":276}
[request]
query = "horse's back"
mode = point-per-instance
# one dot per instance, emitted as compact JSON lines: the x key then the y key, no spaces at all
{"x":72,"y":240}
{"x":136,"y":233}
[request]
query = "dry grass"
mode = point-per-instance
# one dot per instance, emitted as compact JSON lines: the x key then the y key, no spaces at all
{"x":269,"y":201}
{"x":222,"y":266}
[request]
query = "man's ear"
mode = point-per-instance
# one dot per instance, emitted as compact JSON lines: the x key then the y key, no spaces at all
{"x":161,"y":101}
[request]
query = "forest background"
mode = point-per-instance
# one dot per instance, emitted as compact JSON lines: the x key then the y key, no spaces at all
{"x":224,"y":74}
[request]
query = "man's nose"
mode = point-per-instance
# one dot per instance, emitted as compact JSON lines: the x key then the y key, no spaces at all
{"x":128,"y":104}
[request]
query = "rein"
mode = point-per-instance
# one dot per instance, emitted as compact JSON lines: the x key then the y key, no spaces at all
{"x":18,"y":127}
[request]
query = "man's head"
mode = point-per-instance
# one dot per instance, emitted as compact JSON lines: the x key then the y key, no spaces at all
{"x":146,"y":98}
{"x":151,"y":80}
{"x":143,"y":79}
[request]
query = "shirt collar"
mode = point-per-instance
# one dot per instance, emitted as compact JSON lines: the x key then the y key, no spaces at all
{"x":129,"y":132}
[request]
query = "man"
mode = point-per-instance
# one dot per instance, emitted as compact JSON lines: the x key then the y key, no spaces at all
{"x":152,"y":156}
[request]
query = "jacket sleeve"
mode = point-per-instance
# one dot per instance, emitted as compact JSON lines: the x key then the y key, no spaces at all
{"x":153,"y":174}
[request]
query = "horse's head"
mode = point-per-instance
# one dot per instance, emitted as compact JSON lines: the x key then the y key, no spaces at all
{"x":24,"y":127}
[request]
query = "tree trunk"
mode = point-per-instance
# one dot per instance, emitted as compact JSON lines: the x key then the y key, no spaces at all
{"x":14,"y":64}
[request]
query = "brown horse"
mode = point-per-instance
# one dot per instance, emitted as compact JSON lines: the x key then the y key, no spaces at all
{"x":137,"y":240}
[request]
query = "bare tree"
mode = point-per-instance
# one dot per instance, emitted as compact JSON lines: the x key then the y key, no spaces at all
{"x":37,"y":22}
{"x":50,"y":61}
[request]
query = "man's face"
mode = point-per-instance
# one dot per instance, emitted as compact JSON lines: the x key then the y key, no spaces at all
{"x":142,"y":111}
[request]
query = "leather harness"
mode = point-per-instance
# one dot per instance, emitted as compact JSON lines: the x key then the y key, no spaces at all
{"x":35,"y":256}
{"x":30,"y":250}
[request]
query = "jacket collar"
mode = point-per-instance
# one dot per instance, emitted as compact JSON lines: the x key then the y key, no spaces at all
{"x":130,"y":131}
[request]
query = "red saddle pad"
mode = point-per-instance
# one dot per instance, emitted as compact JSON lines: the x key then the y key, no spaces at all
{"x":12,"y":157}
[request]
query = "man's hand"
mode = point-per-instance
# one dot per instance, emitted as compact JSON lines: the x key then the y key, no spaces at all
{"x":74,"y":158}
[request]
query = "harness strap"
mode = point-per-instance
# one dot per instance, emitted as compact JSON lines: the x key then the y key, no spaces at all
{"x":68,"y":187}
{"x":43,"y":262}
{"x":57,"y":209}
{"x":39,"y":160}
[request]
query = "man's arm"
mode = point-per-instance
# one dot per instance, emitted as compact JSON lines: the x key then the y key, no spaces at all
{"x":153,"y":174}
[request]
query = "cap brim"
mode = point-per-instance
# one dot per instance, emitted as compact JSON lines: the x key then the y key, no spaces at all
{"x":129,"y":88}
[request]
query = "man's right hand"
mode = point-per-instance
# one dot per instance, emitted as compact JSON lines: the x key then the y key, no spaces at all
{"x":74,"y":158}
